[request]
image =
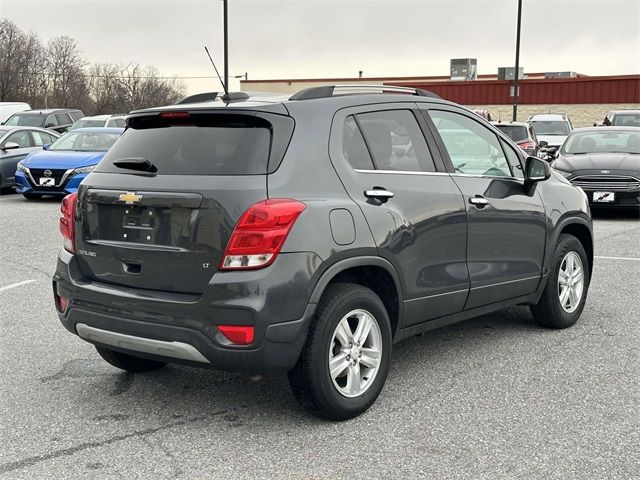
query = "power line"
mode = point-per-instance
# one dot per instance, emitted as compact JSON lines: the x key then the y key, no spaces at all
{"x":48,"y":74}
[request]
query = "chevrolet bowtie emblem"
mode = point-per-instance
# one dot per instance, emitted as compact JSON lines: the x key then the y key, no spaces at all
{"x":130,"y":198}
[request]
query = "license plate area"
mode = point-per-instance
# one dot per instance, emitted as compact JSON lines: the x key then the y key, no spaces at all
{"x":604,"y":197}
{"x":139,"y":224}
{"x":47,"y":182}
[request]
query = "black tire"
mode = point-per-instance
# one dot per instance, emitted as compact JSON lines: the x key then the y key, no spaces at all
{"x":32,"y":196}
{"x":128,"y":363}
{"x":311,"y":381}
{"x":548,"y":312}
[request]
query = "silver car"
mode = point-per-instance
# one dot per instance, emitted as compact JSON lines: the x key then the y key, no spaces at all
{"x":15,"y":144}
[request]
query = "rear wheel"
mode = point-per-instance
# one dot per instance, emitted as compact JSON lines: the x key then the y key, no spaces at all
{"x":345,"y":361}
{"x":128,"y":363}
{"x":32,"y":196}
{"x":565,"y":294}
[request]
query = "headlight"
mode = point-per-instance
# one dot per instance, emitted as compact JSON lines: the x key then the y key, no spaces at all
{"x":22,"y":168}
{"x":84,"y":169}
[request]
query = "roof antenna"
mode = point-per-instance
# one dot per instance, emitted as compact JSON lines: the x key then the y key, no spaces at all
{"x":224,"y":87}
{"x":227,"y":97}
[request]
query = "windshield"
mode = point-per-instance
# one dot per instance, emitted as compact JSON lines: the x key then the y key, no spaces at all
{"x":85,"y":142}
{"x":23,"y":120}
{"x":626,"y":120}
{"x":514,"y":132}
{"x":87,"y":124}
{"x":603,"y":142}
{"x":552,"y":127}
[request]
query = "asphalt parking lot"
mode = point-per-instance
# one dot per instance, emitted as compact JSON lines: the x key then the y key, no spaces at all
{"x":495,"y":397}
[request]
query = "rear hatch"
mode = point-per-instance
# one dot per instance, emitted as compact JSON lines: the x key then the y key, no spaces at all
{"x":159,"y":209}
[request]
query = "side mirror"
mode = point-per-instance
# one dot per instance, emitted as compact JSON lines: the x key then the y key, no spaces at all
{"x":10,"y":146}
{"x":536,"y":170}
{"x":543,"y":144}
{"x":46,"y":146}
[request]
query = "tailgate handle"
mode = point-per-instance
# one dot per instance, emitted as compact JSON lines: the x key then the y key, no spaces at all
{"x":132,"y":268}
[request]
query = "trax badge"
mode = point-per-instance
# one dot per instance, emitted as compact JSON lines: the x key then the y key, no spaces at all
{"x":130,"y":198}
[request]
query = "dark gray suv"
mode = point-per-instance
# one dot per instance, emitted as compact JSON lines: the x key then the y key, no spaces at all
{"x":308,"y":234}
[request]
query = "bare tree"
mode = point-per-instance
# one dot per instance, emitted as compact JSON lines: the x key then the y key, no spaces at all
{"x":58,"y":76}
{"x":67,"y":85}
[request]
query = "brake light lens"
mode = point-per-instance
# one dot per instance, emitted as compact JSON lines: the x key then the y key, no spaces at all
{"x":67,"y":221}
{"x":260,"y":234}
{"x":175,"y":115}
{"x":527,"y":144}
{"x":237,"y":334}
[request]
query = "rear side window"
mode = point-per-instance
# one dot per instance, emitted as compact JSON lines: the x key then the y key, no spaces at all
{"x":201,"y":144}
{"x":63,"y":118}
{"x":386,"y":140}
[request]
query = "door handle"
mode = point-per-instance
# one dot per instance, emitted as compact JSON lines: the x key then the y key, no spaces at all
{"x":379,"y":193}
{"x":479,"y":201}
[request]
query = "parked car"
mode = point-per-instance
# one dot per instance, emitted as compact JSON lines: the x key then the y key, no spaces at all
{"x":58,"y":169}
{"x":58,"y":120}
{"x":551,"y":128}
{"x":605,"y":163}
{"x":486,"y":114}
{"x":523,"y":135}
{"x":9,"y":108}
{"x":218,"y":235}
{"x":15,"y":144}
{"x":108,"y":121}
{"x":621,"y":118}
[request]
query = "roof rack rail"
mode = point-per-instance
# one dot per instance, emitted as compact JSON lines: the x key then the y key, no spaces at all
{"x":326,"y":91}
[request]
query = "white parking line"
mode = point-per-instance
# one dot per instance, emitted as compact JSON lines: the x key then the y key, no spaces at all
{"x":19,"y":284}
{"x":619,"y":258}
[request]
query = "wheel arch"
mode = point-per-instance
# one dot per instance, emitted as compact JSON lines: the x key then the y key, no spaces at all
{"x":580,"y":229}
{"x":372,"y":272}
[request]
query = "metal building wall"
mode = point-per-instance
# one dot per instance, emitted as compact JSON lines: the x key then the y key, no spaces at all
{"x":580,"y":90}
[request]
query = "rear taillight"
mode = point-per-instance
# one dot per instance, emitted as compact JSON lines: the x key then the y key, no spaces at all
{"x":527,"y":144}
{"x":67,"y":221}
{"x":260,"y":234}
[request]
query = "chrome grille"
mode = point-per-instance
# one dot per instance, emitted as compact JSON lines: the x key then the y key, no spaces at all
{"x":607,"y":183}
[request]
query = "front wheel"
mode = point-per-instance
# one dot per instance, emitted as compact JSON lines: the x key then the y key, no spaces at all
{"x":565,"y":294}
{"x":345,"y":361}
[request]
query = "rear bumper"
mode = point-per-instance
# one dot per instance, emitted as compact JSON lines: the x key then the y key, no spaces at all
{"x":177,"y":329}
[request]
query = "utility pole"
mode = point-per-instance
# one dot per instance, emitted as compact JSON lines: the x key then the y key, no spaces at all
{"x":226,"y":44}
{"x":516,"y":73}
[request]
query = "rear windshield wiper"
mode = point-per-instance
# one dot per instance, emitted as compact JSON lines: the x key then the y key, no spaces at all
{"x":136,"y":163}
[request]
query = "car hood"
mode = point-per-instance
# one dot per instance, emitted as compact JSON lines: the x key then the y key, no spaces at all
{"x":552,"y":140}
{"x":61,"y":160}
{"x":599,"y":161}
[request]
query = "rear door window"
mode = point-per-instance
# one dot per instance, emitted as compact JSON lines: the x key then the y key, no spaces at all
{"x":52,"y":121}
{"x":63,"y":118}
{"x":386,"y":140}
{"x":219,"y":144}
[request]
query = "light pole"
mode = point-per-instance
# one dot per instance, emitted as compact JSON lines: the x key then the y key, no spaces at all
{"x":226,"y":45}
{"x":515,"y":76}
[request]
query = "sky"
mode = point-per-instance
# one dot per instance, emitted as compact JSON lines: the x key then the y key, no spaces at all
{"x":272,"y":39}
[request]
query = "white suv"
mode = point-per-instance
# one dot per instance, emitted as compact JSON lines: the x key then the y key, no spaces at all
{"x":552,"y":128}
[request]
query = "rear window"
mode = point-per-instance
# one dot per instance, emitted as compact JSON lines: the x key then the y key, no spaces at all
{"x":25,"y":120}
{"x":203,"y":144}
{"x":514,"y":132}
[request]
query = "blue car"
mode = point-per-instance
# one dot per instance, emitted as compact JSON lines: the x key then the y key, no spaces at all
{"x":59,"y":168}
